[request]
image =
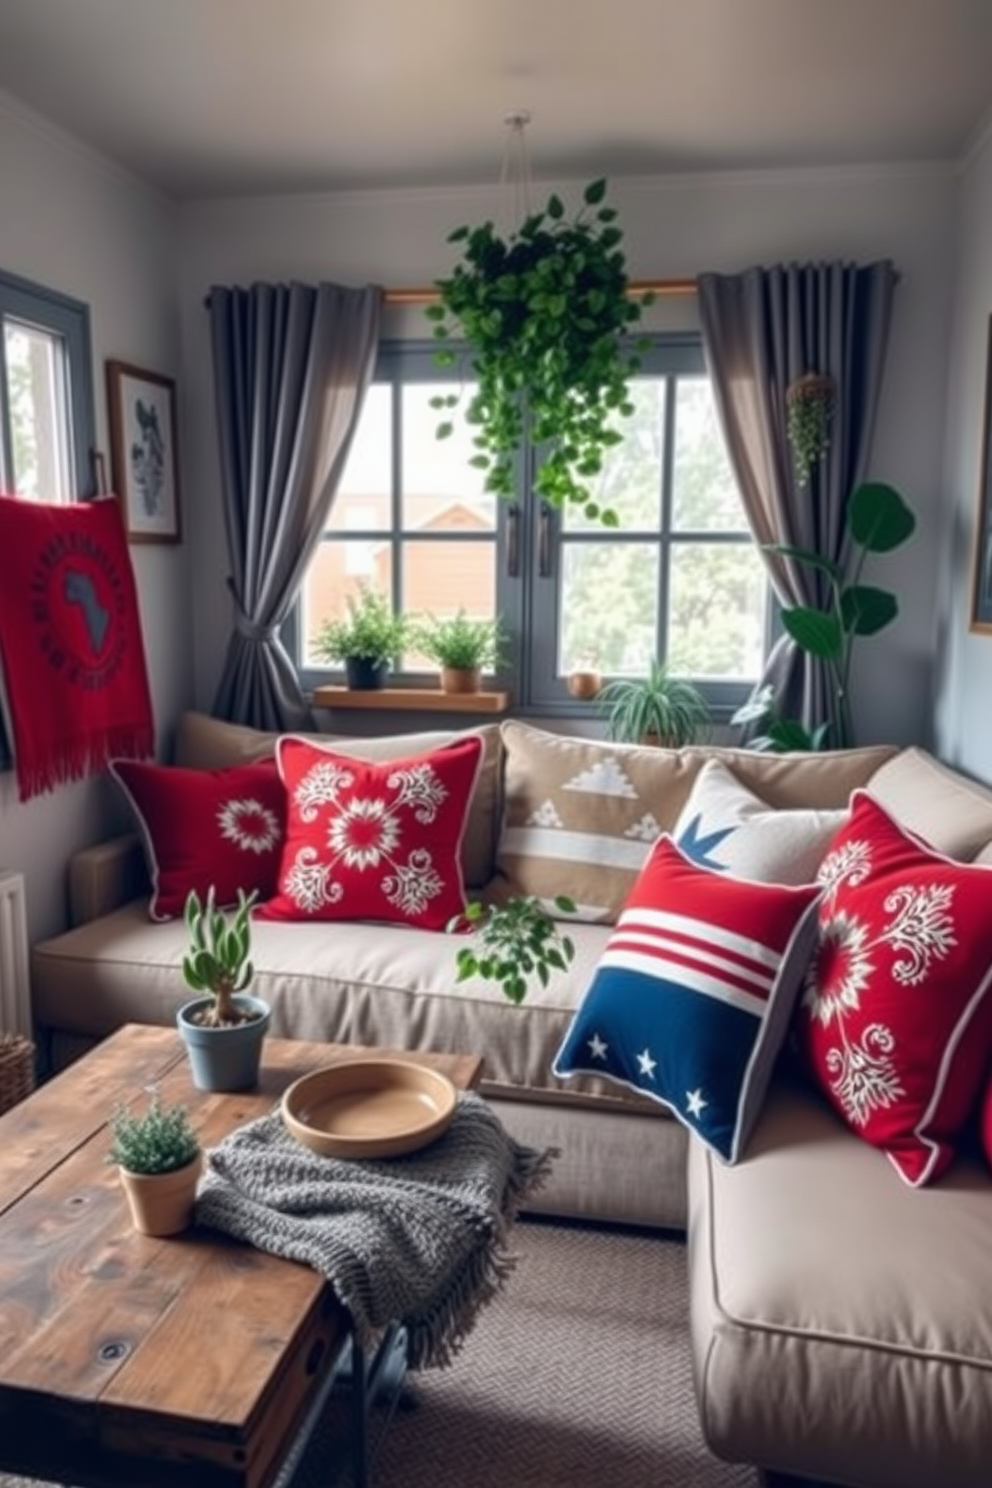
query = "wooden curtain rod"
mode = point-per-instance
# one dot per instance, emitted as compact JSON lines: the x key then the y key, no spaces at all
{"x":636,"y":287}
{"x":425,"y":296}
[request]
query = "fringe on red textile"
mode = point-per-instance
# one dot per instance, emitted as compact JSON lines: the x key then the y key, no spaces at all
{"x":78,"y":758}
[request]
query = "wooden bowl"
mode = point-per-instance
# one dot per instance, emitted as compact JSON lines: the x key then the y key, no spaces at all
{"x":369,"y":1108}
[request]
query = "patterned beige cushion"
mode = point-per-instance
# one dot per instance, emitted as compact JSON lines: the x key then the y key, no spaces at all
{"x":579,"y":815}
{"x":951,"y":812}
{"x":204,"y":743}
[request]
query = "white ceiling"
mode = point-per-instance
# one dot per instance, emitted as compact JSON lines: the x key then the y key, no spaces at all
{"x":219,"y":97}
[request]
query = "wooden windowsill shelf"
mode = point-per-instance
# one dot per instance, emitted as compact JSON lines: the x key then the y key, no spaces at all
{"x":411,"y":700}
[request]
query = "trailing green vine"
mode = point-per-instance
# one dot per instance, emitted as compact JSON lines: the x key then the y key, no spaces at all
{"x":545,"y":312}
{"x":809,"y":413}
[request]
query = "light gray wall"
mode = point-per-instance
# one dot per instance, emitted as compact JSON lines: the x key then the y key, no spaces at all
{"x":71,"y":222}
{"x":963,"y":659}
{"x":675,"y":228}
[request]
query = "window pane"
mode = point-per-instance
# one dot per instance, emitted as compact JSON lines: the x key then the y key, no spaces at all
{"x":717,"y":619}
{"x":35,"y":364}
{"x":363,"y":499}
{"x":337,"y":571}
{"x":441,"y":490}
{"x":704,"y":494}
{"x":630,"y":482}
{"x":609,"y":606}
{"x":440,"y":578}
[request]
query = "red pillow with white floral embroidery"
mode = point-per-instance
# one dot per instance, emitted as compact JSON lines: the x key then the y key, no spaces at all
{"x":895,"y":1017}
{"x":373,"y":841}
{"x":203,"y":827}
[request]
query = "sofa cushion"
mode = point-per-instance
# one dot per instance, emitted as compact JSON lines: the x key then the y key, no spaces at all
{"x":726,"y":827}
{"x":951,"y":812}
{"x":206,"y":743}
{"x":371,"y":841}
{"x":896,"y":1017}
{"x":579,"y":816}
{"x":837,"y":1319}
{"x":205,"y":828}
{"x":692,"y":997}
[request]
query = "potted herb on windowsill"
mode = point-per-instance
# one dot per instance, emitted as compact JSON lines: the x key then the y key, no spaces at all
{"x":462,"y":647}
{"x":158,"y":1155}
{"x":368,"y":640}
{"x":546,"y":312}
{"x":657,"y":709}
{"x":224,"y":1029}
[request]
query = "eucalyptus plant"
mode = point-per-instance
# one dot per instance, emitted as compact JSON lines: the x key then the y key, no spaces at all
{"x":659,"y":706}
{"x":546,"y":313}
{"x":516,"y":940}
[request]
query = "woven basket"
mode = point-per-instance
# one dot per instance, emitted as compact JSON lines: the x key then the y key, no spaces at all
{"x":16,"y":1069}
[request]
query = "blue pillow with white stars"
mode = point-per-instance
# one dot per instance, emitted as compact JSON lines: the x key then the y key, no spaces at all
{"x":692,"y":997}
{"x":724,"y":825}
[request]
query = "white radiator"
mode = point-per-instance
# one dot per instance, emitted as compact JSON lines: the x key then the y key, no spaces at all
{"x":15,"y":994}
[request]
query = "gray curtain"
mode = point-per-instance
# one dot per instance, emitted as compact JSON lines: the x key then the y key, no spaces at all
{"x":291,"y":366}
{"x":762,"y":329}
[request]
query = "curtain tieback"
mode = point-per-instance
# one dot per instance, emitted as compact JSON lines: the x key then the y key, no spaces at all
{"x":250,"y":630}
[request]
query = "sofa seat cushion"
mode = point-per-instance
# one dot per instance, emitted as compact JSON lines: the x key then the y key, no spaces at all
{"x":839,"y":1325}
{"x":382,"y":985}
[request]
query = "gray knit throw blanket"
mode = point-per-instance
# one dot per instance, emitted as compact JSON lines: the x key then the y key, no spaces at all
{"x":419,"y":1239}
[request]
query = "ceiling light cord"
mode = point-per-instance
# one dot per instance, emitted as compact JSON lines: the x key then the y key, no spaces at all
{"x":514,"y":176}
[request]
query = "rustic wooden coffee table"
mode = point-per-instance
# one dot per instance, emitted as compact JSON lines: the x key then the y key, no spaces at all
{"x":130,"y":1362}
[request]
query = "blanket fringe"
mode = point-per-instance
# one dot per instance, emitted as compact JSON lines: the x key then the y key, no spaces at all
{"x":440,"y":1332}
{"x":75,"y":759}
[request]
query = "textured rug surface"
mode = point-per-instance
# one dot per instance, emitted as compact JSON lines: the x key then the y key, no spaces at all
{"x":577,"y":1374}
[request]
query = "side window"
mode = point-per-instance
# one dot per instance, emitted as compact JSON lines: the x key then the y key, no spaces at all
{"x":46,"y":400}
{"x":46,"y":393}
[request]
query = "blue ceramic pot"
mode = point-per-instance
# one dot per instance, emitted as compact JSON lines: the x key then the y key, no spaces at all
{"x":224,"y":1058}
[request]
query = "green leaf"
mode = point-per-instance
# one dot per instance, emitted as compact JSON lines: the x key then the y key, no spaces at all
{"x":458,"y":235}
{"x":594,"y":192}
{"x":788,"y":734}
{"x":815,"y":632}
{"x":445,"y":430}
{"x":805,"y":555}
{"x":556,"y":208}
{"x":565,"y":904}
{"x":866,"y":610}
{"x":435,"y":312}
{"x":878,"y":518}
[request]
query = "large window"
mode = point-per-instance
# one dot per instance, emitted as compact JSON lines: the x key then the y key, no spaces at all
{"x":679,"y":577}
{"x":46,"y":393}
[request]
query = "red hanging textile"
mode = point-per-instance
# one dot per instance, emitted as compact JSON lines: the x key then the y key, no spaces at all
{"x":74,"y":674}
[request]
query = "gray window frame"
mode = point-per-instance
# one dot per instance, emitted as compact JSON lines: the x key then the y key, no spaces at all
{"x":527,"y":600}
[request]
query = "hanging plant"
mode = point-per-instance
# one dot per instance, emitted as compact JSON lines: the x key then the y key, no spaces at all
{"x":545,"y":312}
{"x":809,"y":412}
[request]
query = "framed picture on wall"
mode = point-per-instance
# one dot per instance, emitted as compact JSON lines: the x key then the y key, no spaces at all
{"x":981,"y":586}
{"x":141,"y":410}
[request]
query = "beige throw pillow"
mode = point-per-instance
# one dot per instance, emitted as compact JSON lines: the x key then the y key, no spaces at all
{"x":579,"y":816}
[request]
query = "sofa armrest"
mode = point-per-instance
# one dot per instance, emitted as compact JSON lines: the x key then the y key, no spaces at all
{"x":104,"y":877}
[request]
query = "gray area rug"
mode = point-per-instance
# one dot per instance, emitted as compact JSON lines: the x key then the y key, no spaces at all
{"x":577,"y":1374}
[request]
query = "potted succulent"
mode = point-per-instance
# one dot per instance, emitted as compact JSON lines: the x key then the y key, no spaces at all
{"x":515,"y":941}
{"x":462,"y":647}
{"x":546,"y":312}
{"x":224,"y":1028}
{"x":158,"y":1156}
{"x":656,"y":709}
{"x":368,"y":640}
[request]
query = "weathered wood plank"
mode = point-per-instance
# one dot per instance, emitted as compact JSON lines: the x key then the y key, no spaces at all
{"x":131,"y":1362}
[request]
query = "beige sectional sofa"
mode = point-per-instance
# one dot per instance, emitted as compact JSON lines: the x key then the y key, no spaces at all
{"x":840,"y":1320}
